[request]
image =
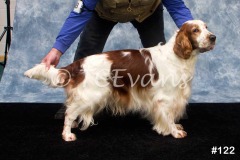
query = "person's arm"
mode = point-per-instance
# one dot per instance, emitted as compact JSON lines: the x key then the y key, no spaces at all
{"x":74,"y":25}
{"x":71,"y":29}
{"x":178,"y":11}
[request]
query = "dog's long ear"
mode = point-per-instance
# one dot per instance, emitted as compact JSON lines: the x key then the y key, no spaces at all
{"x":182,"y":47}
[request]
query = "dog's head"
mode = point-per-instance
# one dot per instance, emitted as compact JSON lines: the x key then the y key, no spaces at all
{"x":193,"y":35}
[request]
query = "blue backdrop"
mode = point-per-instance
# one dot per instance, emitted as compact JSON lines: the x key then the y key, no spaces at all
{"x":37,"y":23}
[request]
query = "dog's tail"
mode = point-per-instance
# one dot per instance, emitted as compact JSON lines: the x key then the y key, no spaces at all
{"x":53,"y":77}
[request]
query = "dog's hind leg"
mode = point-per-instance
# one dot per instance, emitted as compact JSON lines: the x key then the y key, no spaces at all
{"x":84,"y":113}
{"x":83,"y":104}
{"x":70,"y":116}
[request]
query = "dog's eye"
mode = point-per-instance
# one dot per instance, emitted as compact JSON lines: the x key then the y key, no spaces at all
{"x":195,"y":30}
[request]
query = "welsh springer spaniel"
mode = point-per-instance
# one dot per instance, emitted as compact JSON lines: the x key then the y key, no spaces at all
{"x":154,"y":81}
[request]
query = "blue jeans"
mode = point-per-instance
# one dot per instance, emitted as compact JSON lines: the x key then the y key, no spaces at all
{"x":97,"y":30}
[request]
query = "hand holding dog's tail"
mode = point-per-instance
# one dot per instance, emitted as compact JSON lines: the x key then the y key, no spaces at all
{"x":53,"y":77}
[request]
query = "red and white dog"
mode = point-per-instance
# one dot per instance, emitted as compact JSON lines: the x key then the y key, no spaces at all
{"x":154,"y":81}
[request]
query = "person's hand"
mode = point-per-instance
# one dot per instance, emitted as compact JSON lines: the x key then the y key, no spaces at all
{"x":52,"y":58}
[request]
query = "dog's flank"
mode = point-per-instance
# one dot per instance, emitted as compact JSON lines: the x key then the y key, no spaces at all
{"x":120,"y":81}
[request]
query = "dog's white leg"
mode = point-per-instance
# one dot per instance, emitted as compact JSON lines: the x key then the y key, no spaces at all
{"x":70,"y":115}
{"x":160,"y":124}
{"x":85,"y":114}
{"x":163,"y":119}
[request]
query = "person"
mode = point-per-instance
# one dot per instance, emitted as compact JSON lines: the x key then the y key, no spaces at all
{"x":94,"y":20}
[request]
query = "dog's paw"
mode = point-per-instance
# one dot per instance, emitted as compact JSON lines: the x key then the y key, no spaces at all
{"x":69,"y":137}
{"x":179,"y":127}
{"x":179,"y":133}
{"x":159,"y":130}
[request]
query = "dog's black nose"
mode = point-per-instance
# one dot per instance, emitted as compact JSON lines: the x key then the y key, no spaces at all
{"x":212,"y":38}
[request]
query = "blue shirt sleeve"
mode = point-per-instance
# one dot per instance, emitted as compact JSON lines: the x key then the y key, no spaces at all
{"x":73,"y":26}
{"x":178,"y":11}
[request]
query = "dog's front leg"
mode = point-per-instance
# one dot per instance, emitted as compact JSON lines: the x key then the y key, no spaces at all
{"x":163,"y":117}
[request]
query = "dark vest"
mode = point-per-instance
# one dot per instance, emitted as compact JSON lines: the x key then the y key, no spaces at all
{"x":126,"y":10}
